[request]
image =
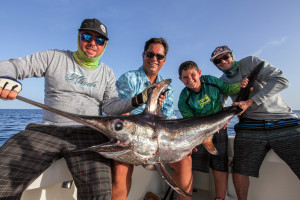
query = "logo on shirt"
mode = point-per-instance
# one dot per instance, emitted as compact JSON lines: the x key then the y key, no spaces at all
{"x":205,"y":100}
{"x":80,"y":80}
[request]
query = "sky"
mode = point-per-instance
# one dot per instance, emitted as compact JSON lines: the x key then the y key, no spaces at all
{"x":269,"y":29}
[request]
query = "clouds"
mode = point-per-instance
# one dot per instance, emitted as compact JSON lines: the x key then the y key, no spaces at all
{"x":270,"y":45}
{"x":193,"y":29}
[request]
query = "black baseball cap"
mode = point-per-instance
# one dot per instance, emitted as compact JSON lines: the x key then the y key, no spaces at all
{"x":94,"y":25}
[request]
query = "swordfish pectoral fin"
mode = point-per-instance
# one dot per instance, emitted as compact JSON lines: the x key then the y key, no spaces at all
{"x":166,"y":176}
{"x":209,"y":146}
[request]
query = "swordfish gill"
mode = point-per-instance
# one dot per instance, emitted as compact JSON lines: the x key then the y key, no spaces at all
{"x":149,"y":139}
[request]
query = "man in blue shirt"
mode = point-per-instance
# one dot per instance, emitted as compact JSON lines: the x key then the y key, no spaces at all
{"x":131,"y":83}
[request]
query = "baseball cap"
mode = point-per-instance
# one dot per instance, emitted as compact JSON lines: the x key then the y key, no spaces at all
{"x":219,"y":50}
{"x":94,"y":25}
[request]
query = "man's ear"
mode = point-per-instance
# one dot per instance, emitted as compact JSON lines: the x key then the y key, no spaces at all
{"x":200,"y":72}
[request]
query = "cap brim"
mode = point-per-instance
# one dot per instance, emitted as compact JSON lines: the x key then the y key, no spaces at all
{"x":213,"y":58}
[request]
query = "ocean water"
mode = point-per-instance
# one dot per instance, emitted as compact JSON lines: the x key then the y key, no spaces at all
{"x":14,"y":120}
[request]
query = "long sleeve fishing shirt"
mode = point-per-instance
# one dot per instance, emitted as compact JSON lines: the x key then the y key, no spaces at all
{"x":69,"y":86}
{"x":208,"y":100}
{"x":268,"y":105}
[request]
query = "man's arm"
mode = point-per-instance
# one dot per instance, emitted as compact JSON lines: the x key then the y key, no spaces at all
{"x":270,"y":80}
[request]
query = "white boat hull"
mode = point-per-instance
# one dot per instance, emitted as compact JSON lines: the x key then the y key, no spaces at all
{"x":276,"y":182}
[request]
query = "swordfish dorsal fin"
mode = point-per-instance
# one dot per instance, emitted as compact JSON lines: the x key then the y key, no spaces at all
{"x":243,"y":95}
{"x":153,"y":106}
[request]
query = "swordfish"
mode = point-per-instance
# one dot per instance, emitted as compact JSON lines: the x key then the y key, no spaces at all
{"x":149,"y":139}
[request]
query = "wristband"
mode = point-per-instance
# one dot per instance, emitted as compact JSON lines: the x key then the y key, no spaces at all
{"x":8,"y":83}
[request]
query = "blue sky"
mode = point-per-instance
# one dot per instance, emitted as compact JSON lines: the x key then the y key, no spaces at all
{"x":193,"y":28}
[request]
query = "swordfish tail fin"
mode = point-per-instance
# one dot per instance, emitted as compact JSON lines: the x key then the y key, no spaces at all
{"x":243,"y":95}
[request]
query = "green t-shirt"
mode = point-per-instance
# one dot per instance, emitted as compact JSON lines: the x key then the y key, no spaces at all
{"x":208,"y":100}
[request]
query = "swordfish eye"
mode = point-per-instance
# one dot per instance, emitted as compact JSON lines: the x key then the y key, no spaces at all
{"x":117,"y":125}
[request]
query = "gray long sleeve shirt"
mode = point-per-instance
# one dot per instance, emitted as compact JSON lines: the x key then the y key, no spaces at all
{"x":268,"y":105}
{"x":69,"y":86}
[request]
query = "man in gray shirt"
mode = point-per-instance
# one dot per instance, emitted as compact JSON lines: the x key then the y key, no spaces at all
{"x":75,"y":82}
{"x":266,"y":121}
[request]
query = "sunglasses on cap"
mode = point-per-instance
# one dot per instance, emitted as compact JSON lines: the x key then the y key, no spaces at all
{"x":225,"y":57}
{"x":88,"y":38}
{"x":151,"y":55}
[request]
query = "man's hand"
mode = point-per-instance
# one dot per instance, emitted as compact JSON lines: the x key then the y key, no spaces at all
{"x":225,"y":126}
{"x":193,"y":150}
{"x":9,"y":88}
{"x":142,"y":97}
{"x":162,"y":97}
{"x":244,"y":83}
{"x":243,"y":105}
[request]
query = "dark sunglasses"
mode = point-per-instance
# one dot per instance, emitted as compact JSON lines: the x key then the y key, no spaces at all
{"x":88,"y":38}
{"x":225,"y":57}
{"x":151,"y":55}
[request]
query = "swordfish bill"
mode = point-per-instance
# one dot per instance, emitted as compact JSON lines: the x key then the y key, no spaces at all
{"x":71,"y":116}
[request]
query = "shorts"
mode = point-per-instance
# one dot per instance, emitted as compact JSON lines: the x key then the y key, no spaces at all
{"x":27,"y":154}
{"x":254,"y":138}
{"x":202,"y":159}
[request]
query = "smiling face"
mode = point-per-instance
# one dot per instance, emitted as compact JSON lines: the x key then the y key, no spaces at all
{"x":153,"y":65}
{"x":191,"y":79}
{"x":91,"y":49}
{"x":225,"y":64}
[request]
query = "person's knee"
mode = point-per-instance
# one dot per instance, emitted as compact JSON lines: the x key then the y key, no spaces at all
{"x":183,"y":165}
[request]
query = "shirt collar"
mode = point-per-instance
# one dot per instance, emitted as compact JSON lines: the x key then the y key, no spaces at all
{"x":144,"y":76}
